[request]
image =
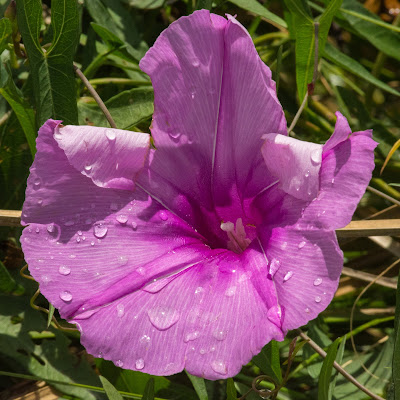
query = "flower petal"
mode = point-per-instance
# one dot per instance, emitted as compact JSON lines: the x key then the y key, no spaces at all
{"x":110,"y":157}
{"x":208,"y":319}
{"x":295,"y":163}
{"x":199,"y":70}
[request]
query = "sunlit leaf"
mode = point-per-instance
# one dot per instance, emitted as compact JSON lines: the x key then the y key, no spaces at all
{"x":389,"y":156}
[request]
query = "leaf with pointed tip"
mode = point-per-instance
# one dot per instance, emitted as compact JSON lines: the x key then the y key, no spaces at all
{"x":268,"y":361}
{"x":5,"y":32}
{"x":339,"y":358}
{"x":148,"y":393}
{"x":230,"y":390}
{"x":326,"y":371}
{"x":111,"y":392}
{"x":50,"y":315}
{"x":199,"y":386}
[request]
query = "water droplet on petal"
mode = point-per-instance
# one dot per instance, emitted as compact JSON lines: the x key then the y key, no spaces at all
{"x":316,"y":156}
{"x":287,"y":276}
{"x":163,"y":216}
{"x":219,"y":334}
{"x":64,"y":270}
{"x":37,"y":183}
{"x":88,"y":167}
{"x":66,"y":296}
{"x":37,"y":230}
{"x":144,"y":339}
{"x":219,"y":367}
{"x":140,"y":271}
{"x":195,"y":63}
{"x":230,"y":291}
{"x":191,"y":336}
{"x":92,"y":243}
{"x":307,"y":310}
{"x":134,"y":225}
{"x":100,"y":229}
{"x":50,"y":228}
{"x":302,"y":244}
{"x":122,"y":260}
{"x":163,"y":317}
{"x":119,"y":363}
{"x":199,"y":290}
{"x":78,"y":239}
{"x":333,"y":181}
{"x":80,"y":233}
{"x":40,"y":202}
{"x":317,"y":282}
{"x":317,"y":299}
{"x":120,"y":310}
{"x":139,"y":364}
{"x":274,"y":266}
{"x":122,"y":219}
{"x":110,"y":134}
{"x":284,"y":245}
{"x":114,"y":206}
{"x":69,"y":223}
{"x":307,"y":174}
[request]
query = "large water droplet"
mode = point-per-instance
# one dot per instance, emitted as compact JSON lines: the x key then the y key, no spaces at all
{"x":120,"y":310}
{"x":318,"y":281}
{"x":163,"y":317}
{"x":230,"y":291}
{"x":219,"y":367}
{"x":100,"y":229}
{"x":317,"y":299}
{"x":110,"y":134}
{"x":302,"y":244}
{"x":191,"y":336}
{"x":88,"y":167}
{"x":287,"y":276}
{"x":66,"y":296}
{"x":220,"y":334}
{"x":139,"y":364}
{"x":122,"y":219}
{"x":316,"y":156}
{"x":64,"y":270}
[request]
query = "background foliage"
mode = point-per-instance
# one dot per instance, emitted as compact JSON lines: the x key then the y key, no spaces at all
{"x":359,"y":49}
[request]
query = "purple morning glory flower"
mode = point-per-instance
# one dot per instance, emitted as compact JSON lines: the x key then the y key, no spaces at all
{"x":197,"y":253}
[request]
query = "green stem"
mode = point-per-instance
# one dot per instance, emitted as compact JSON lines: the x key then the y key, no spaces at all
{"x":118,"y":81}
{"x":269,"y":36}
{"x":384,"y":187}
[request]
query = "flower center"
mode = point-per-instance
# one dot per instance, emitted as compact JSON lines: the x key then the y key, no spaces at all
{"x":238,"y":241}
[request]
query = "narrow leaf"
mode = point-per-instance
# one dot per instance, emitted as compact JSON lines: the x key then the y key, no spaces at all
{"x":372,"y":28}
{"x":148,"y":393}
{"x":204,"y":4}
{"x":268,"y":360}
{"x":326,"y":371}
{"x":22,"y":109}
{"x":111,"y":392}
{"x":230,"y":390}
{"x":108,"y":37}
{"x":396,"y":350}
{"x":334,"y":55}
{"x":5,"y":32}
{"x":50,"y":315}
{"x":389,"y":156}
{"x":7,"y":283}
{"x":299,"y":8}
{"x":199,"y":386}
{"x":339,"y":358}
{"x":256,"y":8}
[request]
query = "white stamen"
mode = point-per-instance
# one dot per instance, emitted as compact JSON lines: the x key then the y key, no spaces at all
{"x":238,"y":241}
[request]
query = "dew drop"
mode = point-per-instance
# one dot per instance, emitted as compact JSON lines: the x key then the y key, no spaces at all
{"x":307,"y":310}
{"x":88,"y":167}
{"x":88,"y":221}
{"x":92,"y":243}
{"x":333,"y":181}
{"x":284,"y":245}
{"x":69,"y":223}
{"x":114,"y":206}
{"x":139,"y":364}
{"x":50,"y":228}
{"x":199,"y":290}
{"x":100,"y":229}
{"x":274,"y":266}
{"x":122,"y":260}
{"x":140,"y":271}
{"x":195,"y":63}
{"x":64,"y":270}
{"x":110,"y":134}
{"x":174,"y":134}
{"x":220,"y":334}
{"x":307,"y":174}
{"x":287,"y":276}
{"x":317,"y":282}
{"x":119,"y":363}
{"x":78,"y":239}
{"x":37,"y":183}
{"x":37,"y":230}
{"x":122,"y":219}
{"x":163,"y":216}
{"x":79,"y":233}
{"x":134,"y":225}
{"x":40,"y":202}
{"x":219,"y":367}
{"x":144,"y":339}
{"x":163,"y":317}
{"x":66,"y":296}
{"x":191,"y":336}
{"x":302,"y":244}
{"x":317,"y":299}
{"x":230,"y":291}
{"x":316,"y":156}
{"x":120,"y":310}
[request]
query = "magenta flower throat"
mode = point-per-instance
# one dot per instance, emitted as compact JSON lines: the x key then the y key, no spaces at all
{"x":195,"y":253}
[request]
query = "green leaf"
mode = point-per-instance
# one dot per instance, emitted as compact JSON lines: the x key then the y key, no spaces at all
{"x":366,"y":24}
{"x":268,"y":361}
{"x":230,"y":390}
{"x":350,"y":64}
{"x":256,"y":8}
{"x":339,"y":358}
{"x":199,"y":386}
{"x":111,"y":392}
{"x":22,"y":109}
{"x":8,"y":284}
{"x":5,"y":32}
{"x":299,"y":8}
{"x":396,"y":350}
{"x":108,"y":37}
{"x":204,"y":4}
{"x":128,"y":108}
{"x":50,"y":314}
{"x":52,"y":72}
{"x":145,"y":4}
{"x":325,"y":21}
{"x":148,"y":393}
{"x":326,"y":371}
